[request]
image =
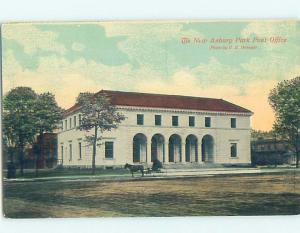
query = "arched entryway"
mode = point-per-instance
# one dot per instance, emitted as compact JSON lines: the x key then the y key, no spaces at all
{"x":207,"y":148}
{"x":191,"y":148}
{"x":175,"y":148}
{"x":139,"y":148}
{"x":158,"y":148}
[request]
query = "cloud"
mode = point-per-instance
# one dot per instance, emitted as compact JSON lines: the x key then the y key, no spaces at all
{"x":270,"y":28}
{"x":254,"y":99}
{"x":146,"y":43}
{"x":32,"y":39}
{"x":145,"y":57}
{"x":67,"y":78}
{"x":78,"y":46}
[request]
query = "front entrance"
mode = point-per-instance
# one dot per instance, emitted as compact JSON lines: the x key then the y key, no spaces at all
{"x":158,"y":148}
{"x":139,"y":148}
{"x":207,"y":148}
{"x":191,"y":149}
{"x":175,"y":148}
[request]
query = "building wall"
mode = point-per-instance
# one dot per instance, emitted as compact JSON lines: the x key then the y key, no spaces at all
{"x":122,"y":137}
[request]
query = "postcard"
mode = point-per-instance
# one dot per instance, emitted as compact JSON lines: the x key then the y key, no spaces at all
{"x":150,"y":118}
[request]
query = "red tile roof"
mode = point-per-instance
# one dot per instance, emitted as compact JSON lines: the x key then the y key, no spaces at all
{"x":136,"y":99}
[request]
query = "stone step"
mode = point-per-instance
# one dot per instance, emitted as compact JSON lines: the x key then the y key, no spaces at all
{"x":191,"y":165}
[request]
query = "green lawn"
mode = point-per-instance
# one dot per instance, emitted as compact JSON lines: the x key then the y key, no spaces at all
{"x":68,"y":172}
{"x":277,"y":194}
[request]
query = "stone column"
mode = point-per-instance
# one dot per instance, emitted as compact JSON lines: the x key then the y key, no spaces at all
{"x":199,"y":152}
{"x":183,"y":153}
{"x":149,"y":152}
{"x":166,"y":152}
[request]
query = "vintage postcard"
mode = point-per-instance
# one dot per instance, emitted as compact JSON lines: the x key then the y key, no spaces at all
{"x":150,"y":118}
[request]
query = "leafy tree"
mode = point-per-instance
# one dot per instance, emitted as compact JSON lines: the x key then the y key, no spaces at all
{"x":98,"y":115}
{"x":18,"y":121}
{"x":47,"y":115}
{"x":260,"y":135}
{"x":285,"y":101}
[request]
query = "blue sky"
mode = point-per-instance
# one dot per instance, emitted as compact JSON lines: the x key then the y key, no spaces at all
{"x":149,"y":57}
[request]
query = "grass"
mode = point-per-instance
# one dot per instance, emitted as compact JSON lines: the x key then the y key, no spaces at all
{"x":269,"y":194}
{"x":68,"y":172}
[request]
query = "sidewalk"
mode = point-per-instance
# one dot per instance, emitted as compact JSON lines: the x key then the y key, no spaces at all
{"x":166,"y":174}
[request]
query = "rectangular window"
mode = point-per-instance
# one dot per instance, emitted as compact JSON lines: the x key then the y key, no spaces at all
{"x":79,"y":116}
{"x":66,"y":124}
{"x":140,"y":119}
{"x":70,"y":122}
{"x":157,"y":119}
{"x":62,"y":125}
{"x":207,"y":122}
{"x":174,"y":120}
{"x":62,"y":153}
{"x":233,"y":150}
{"x":75,"y":123}
{"x":233,"y":122}
{"x":191,"y":121}
{"x":79,"y":150}
{"x":109,"y":150}
{"x":70,"y":152}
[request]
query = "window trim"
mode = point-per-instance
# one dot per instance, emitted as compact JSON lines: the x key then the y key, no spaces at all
{"x":70,"y":123}
{"x":80,"y":150}
{"x":138,"y":118}
{"x":110,"y":149}
{"x":159,"y":118}
{"x":194,"y":122}
{"x":209,"y":122}
{"x":62,"y":152}
{"x":177,"y":121}
{"x":233,"y":126}
{"x":70,"y":152}
{"x":236,"y":151}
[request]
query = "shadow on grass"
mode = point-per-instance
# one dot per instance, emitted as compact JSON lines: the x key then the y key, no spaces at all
{"x":194,"y":197}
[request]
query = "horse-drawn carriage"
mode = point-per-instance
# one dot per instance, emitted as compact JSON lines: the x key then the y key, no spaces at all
{"x":156,"y":168}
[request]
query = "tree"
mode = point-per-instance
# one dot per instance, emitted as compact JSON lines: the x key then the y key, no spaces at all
{"x":98,"y":115}
{"x":18,"y":121}
{"x":285,"y":101}
{"x":47,"y":115}
{"x":260,"y":135}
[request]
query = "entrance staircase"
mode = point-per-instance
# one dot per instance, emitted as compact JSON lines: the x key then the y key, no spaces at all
{"x":191,"y":165}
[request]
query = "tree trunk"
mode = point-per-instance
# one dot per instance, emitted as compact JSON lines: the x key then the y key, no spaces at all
{"x":297,"y":158}
{"x":94,"y":152}
{"x":21,"y":159}
{"x":39,"y":154}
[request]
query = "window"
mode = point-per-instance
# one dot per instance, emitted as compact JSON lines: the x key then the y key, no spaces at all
{"x":174,"y":120}
{"x":79,"y":150}
{"x":109,"y":150}
{"x":62,"y":125}
{"x":157,"y":119}
{"x":207,"y":122}
{"x":70,"y":123}
{"x":66,"y":124}
{"x":191,"y":121}
{"x":79,"y":116}
{"x":62,"y":153}
{"x":70,"y":152}
{"x":75,"y":121}
{"x":140,"y":119}
{"x":233,"y":150}
{"x":233,"y":122}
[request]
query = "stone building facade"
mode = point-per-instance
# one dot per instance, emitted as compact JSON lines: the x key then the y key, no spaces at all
{"x":173,"y":129}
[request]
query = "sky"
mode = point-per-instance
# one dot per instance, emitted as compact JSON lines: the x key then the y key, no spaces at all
{"x":150,"y":56}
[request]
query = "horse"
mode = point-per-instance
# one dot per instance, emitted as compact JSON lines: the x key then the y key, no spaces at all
{"x":134,"y":168}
